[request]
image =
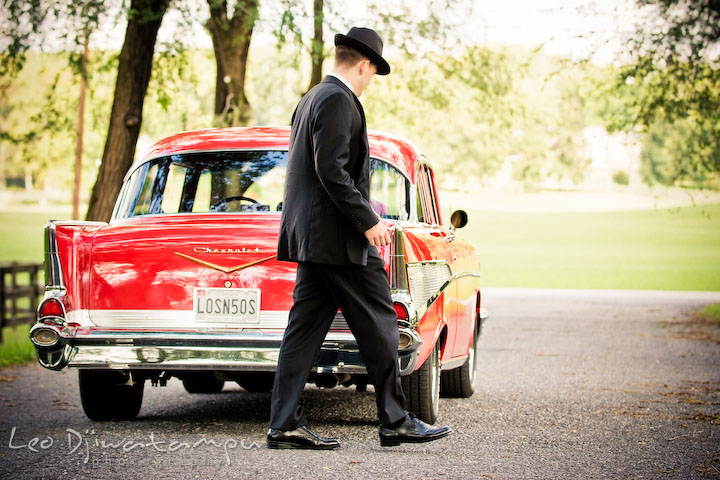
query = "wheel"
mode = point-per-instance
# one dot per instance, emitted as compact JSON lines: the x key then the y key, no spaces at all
{"x":460,"y":382}
{"x":256,"y":382}
{"x":422,"y":388}
{"x":106,"y":394}
{"x":202,"y":382}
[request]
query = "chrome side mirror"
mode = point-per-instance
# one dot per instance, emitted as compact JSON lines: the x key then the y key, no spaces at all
{"x":458,"y":219}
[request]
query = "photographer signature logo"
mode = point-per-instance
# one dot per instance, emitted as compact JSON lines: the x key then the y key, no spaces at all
{"x":87,"y":443}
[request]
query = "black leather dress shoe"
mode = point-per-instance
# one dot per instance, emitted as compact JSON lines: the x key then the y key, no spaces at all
{"x":412,"y":430}
{"x":301,"y":437}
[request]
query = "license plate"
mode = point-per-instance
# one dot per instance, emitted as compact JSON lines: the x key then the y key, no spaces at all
{"x":230,"y":305}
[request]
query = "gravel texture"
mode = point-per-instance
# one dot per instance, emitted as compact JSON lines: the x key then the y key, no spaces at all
{"x":572,"y":384}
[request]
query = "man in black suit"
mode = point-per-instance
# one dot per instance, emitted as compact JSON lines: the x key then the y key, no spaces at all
{"x":329,"y":228}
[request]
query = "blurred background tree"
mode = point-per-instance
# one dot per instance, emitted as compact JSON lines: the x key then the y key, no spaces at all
{"x":484,"y":113}
{"x":671,"y":90}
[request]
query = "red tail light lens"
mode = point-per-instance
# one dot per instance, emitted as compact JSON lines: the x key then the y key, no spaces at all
{"x":51,"y":308}
{"x":401,"y":311}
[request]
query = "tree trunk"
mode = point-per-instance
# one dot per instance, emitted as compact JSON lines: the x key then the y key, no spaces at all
{"x":134,"y":69}
{"x":231,"y":42}
{"x":80,"y":130}
{"x":317,"y":48}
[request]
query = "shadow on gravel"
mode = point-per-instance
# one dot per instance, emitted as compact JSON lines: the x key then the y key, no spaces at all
{"x":322,"y":407}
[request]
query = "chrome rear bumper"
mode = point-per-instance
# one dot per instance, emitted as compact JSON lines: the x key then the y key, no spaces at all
{"x":82,"y":347}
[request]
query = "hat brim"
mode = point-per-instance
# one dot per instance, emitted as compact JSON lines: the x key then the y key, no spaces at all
{"x":383,"y":68}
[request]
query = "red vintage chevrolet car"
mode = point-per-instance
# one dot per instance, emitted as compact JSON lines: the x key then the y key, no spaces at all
{"x":183,"y":281}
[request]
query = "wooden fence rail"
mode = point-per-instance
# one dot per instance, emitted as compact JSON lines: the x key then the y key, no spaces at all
{"x":21,"y":286}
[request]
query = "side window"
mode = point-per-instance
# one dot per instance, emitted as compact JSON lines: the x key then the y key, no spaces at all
{"x":420,"y":200}
{"x":388,"y":191}
{"x":144,"y":202}
{"x":432,"y":196}
{"x":427,"y":210}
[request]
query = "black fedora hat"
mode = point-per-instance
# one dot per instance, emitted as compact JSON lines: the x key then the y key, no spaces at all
{"x":367,"y":42}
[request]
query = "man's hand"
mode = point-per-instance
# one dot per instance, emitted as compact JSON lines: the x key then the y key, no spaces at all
{"x":378,"y":235}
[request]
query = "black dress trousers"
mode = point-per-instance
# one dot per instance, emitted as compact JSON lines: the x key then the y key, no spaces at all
{"x":363,"y":295}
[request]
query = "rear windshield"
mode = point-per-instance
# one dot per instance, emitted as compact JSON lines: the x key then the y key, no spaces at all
{"x":244,"y":181}
{"x":236,"y":181}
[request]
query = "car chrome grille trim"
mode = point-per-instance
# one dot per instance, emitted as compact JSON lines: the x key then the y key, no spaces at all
{"x":427,"y":279}
{"x":339,"y":322}
{"x":269,"y":319}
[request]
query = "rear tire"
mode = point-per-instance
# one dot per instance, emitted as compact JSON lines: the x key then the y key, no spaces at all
{"x":460,"y":382}
{"x":106,"y":395}
{"x":422,"y":388}
{"x":202,"y":382}
{"x":256,"y":382}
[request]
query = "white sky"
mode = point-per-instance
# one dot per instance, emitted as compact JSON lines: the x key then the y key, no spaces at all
{"x":570,"y":28}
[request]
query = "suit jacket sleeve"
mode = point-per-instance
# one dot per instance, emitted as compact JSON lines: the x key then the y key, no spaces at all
{"x":332,"y":135}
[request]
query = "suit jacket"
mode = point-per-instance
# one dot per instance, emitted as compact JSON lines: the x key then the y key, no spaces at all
{"x":326,"y":208}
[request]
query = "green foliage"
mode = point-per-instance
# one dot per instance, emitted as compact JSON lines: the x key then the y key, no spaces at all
{"x":674,"y":82}
{"x":40,"y":117}
{"x":420,"y":29}
{"x":29,"y":21}
{"x":710,"y":314}
{"x":552,"y":105}
{"x":621,"y":177}
{"x":472,"y":115}
{"x":462,"y":126}
{"x":16,"y":347}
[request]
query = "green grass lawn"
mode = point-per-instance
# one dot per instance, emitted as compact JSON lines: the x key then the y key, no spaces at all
{"x":16,"y":347}
{"x":22,"y":241}
{"x":710,"y":314}
{"x":659,"y":249}
{"x":22,"y":234}
{"x":662,"y":249}
{"x":676,"y":249}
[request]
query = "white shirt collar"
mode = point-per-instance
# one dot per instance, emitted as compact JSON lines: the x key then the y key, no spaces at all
{"x":342,"y":79}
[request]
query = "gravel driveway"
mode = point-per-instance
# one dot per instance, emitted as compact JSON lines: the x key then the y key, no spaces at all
{"x":573,"y":384}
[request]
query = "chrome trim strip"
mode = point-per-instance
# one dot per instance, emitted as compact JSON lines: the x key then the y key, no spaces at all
{"x":422,"y":309}
{"x":53,"y":268}
{"x":175,"y":319}
{"x":173,"y":357}
{"x":398,"y":268}
{"x":177,"y":350}
{"x":81,"y":317}
{"x":183,"y":351}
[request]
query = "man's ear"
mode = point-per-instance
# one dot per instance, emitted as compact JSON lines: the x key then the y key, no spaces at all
{"x":364,"y":65}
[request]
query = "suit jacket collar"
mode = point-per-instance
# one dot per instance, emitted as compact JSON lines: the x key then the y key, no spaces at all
{"x":345,"y":81}
{"x":337,"y":81}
